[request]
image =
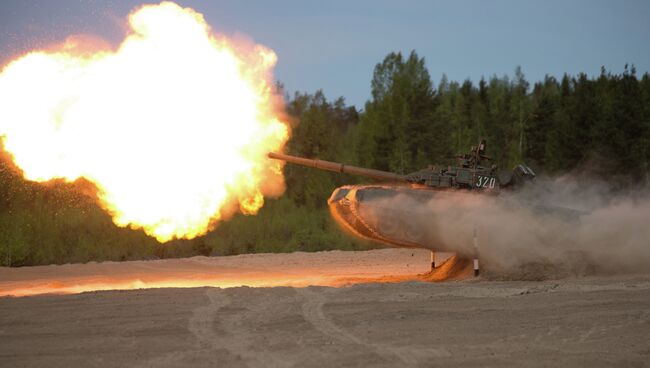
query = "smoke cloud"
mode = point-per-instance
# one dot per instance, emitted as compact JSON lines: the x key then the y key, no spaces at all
{"x":554,"y":227}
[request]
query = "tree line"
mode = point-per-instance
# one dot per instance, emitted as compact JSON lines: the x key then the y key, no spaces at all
{"x":555,"y":126}
{"x":599,"y":125}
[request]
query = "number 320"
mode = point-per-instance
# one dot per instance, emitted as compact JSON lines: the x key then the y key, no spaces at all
{"x":485,"y":182}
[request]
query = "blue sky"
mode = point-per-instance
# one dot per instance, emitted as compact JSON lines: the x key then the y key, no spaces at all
{"x":333,"y":45}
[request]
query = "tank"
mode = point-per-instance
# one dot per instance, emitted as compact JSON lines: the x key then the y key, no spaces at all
{"x":394,"y":210}
{"x":469,"y":174}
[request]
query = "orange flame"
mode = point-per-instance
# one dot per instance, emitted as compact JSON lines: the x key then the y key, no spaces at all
{"x":173,"y":126}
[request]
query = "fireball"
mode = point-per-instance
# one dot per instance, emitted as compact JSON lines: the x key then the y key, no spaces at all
{"x":172,"y":126}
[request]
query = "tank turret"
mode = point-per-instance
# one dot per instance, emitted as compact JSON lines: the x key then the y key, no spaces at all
{"x":469,"y":174}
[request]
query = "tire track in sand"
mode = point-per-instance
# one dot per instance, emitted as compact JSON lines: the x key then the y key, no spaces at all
{"x":232,"y":337}
{"x":313,"y":313}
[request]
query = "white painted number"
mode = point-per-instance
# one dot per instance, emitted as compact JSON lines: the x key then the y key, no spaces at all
{"x":485,"y":182}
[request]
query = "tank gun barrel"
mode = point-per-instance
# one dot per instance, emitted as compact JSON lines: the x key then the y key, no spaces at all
{"x":337,"y":167}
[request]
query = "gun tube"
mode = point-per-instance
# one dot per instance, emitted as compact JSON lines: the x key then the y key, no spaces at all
{"x":337,"y":167}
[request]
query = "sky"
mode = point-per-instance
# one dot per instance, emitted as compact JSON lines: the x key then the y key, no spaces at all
{"x":334,"y":45}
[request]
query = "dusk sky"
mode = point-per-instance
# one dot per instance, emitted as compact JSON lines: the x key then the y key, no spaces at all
{"x":334,"y":45}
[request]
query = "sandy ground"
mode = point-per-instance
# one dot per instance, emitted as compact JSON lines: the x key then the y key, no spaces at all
{"x":593,"y":321}
{"x":333,"y":268}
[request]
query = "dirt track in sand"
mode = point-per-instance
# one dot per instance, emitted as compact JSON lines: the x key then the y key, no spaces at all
{"x":593,"y":321}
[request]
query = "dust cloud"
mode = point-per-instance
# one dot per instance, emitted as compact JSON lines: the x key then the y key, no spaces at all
{"x":554,"y":227}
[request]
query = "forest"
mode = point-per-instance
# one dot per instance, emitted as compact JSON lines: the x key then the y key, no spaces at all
{"x":590,"y":126}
